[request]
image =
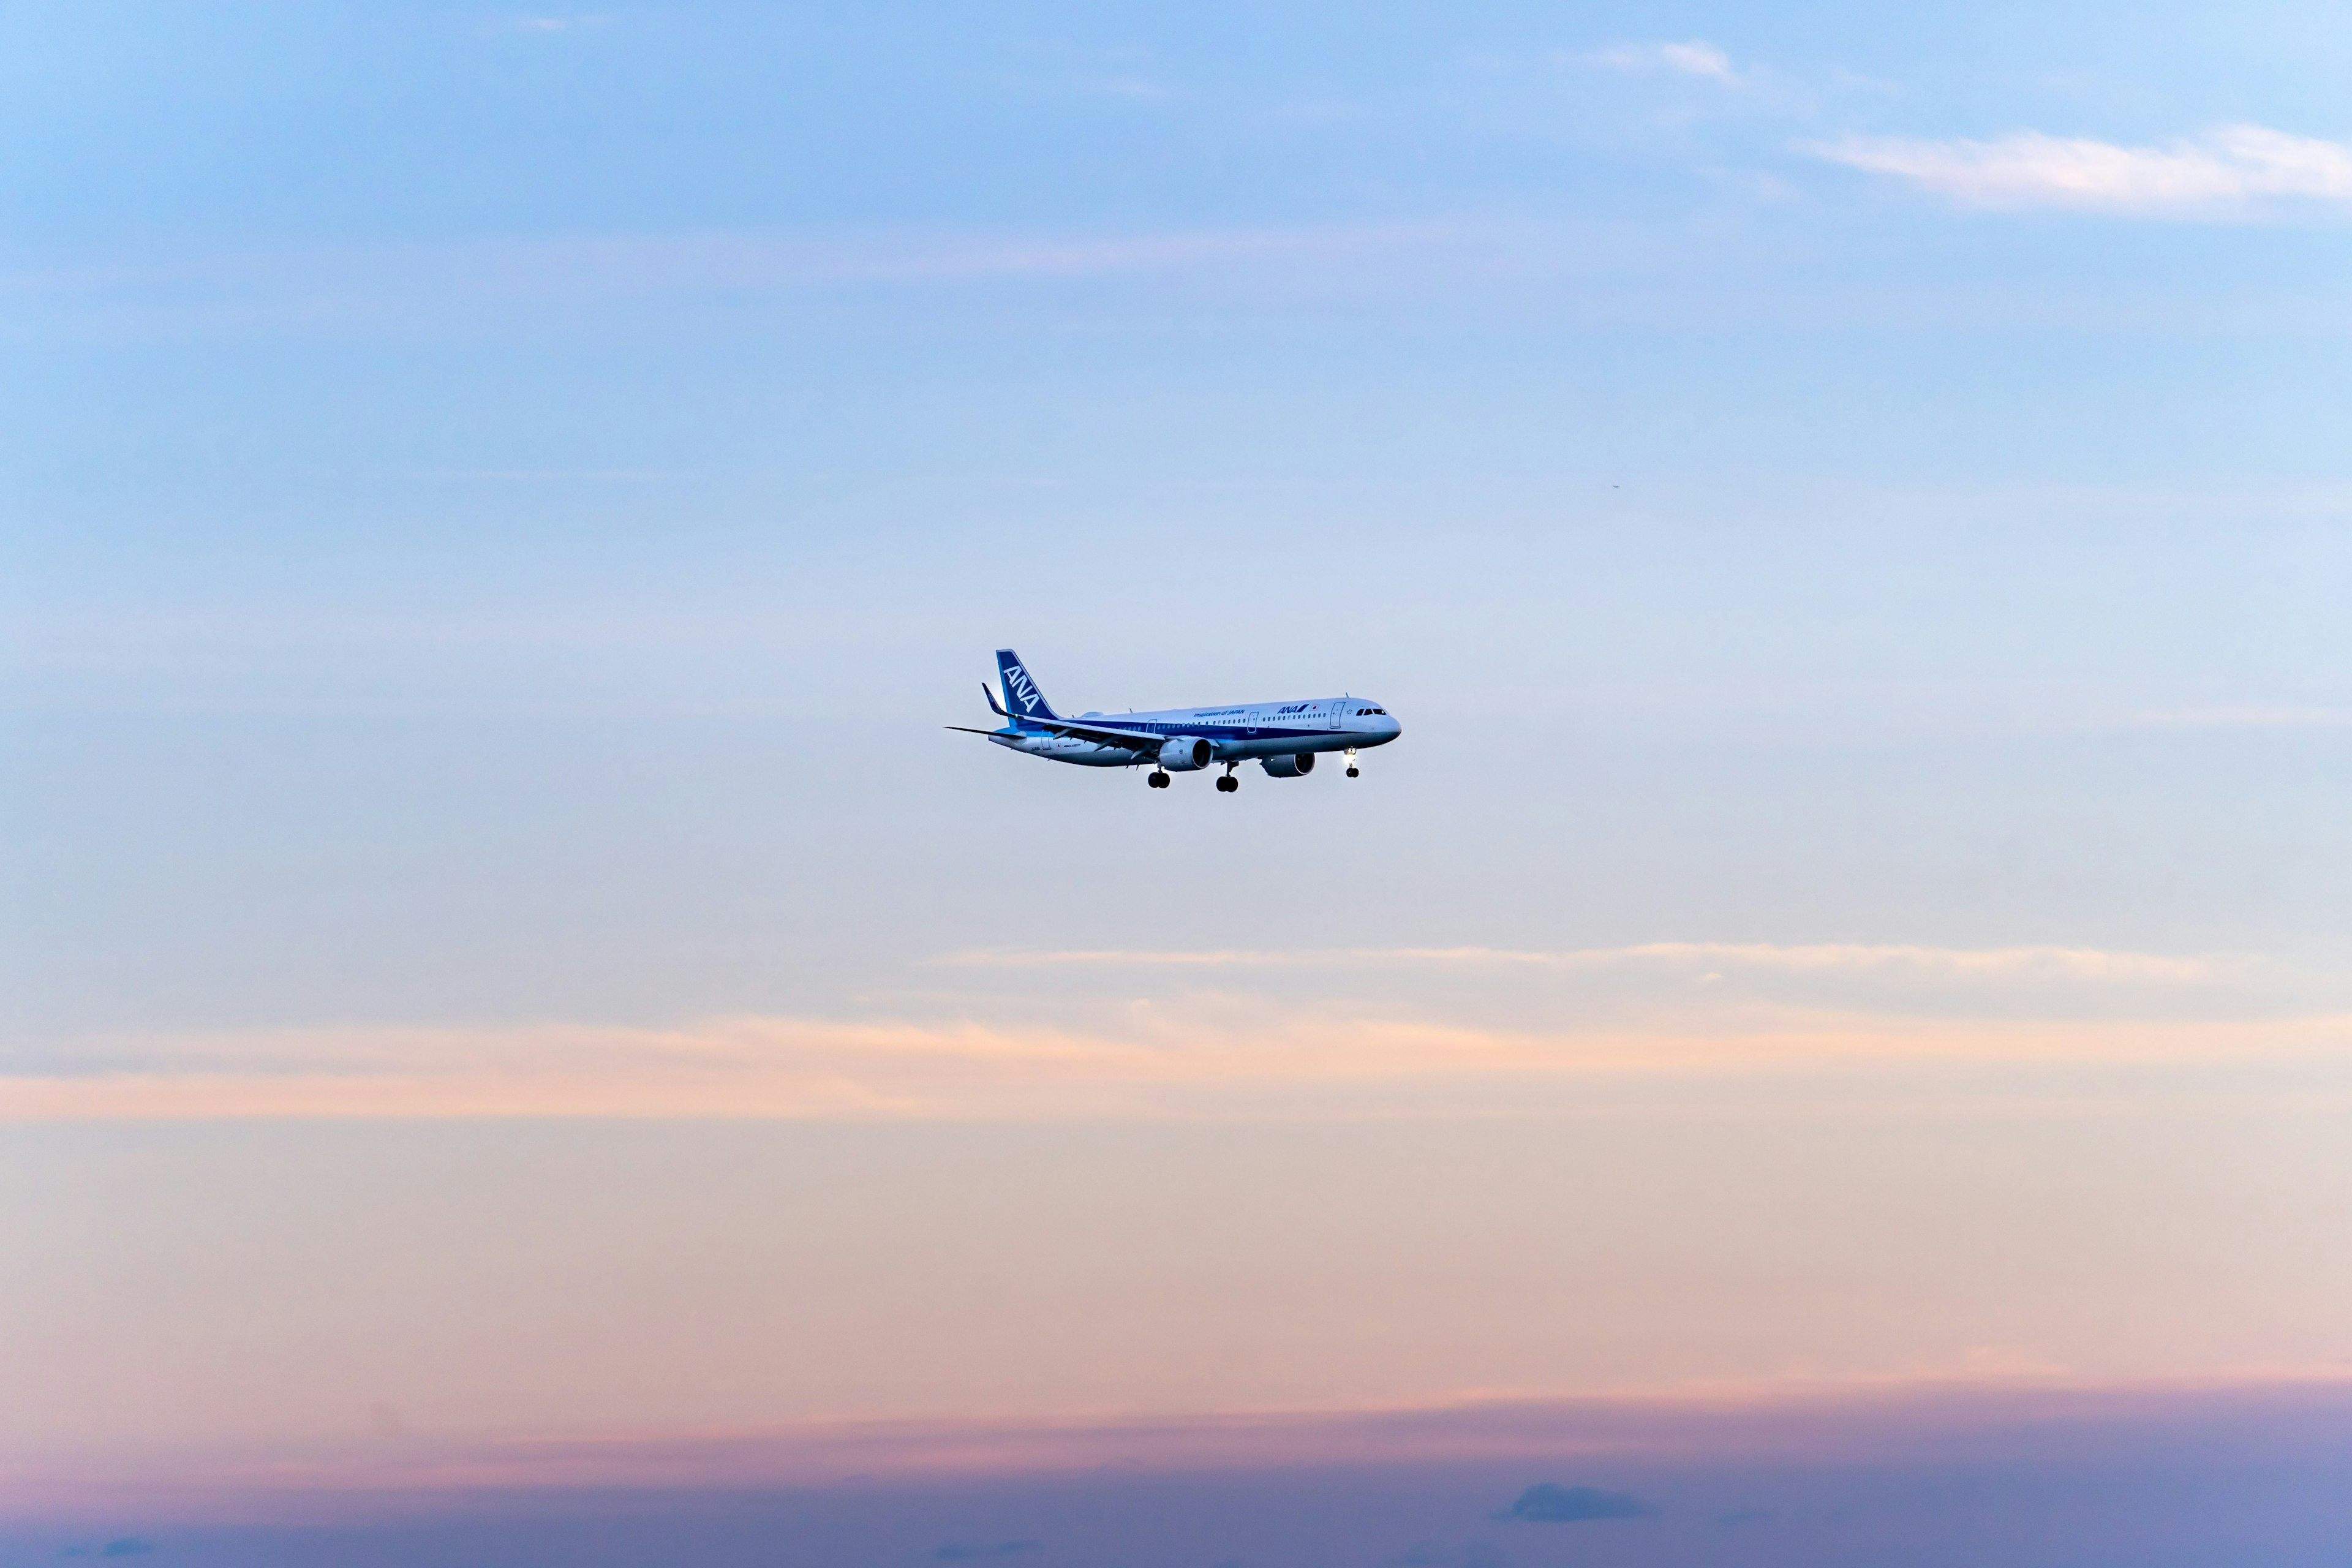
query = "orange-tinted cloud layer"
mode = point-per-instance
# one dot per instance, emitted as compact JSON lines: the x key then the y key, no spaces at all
{"x":1151,"y":1061}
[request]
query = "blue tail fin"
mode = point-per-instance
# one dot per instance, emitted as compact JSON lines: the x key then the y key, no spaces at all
{"x":1022,"y":698}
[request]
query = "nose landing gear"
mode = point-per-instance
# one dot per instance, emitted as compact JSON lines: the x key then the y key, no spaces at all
{"x":1352,"y":762}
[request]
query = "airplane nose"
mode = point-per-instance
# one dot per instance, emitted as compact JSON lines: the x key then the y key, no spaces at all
{"x":1390,"y":727}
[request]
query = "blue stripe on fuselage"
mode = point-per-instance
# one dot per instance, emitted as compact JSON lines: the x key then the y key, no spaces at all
{"x":1207,"y":732}
{"x":1264,"y":732}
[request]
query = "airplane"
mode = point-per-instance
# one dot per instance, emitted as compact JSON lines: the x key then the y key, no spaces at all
{"x":1284,"y":737}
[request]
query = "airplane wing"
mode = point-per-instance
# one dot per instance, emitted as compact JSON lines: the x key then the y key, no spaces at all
{"x":1127,"y":739}
{"x":1102,"y":734}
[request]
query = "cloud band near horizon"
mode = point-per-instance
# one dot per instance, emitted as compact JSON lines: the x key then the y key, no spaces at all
{"x":1155,"y":1062}
{"x":2073,"y":962}
{"x":2007,"y":1416}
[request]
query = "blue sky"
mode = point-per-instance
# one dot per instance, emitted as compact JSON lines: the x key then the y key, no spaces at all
{"x":499,"y":507}
{"x":467,"y":429}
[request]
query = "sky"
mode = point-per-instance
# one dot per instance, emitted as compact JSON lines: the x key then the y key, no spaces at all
{"x":500,"y":955}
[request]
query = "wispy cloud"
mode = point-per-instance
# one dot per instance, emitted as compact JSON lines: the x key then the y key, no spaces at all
{"x":1696,"y":57}
{"x":125,"y":1546}
{"x":1963,"y":1415}
{"x":2074,"y":963}
{"x":1153,"y":1061}
{"x":2250,"y":718}
{"x":413,"y":285}
{"x":2233,"y":171}
{"x":1552,"y":1503}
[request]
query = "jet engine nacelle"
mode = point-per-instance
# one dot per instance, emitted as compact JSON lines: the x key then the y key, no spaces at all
{"x":1187,"y":753}
{"x":1298,"y":765}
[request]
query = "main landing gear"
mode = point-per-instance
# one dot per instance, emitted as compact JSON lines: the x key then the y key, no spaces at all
{"x":1352,"y":762}
{"x":1229,"y":783}
{"x":1157,"y":778}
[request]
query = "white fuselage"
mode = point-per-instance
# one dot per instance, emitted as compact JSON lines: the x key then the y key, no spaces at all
{"x":1236,"y":731}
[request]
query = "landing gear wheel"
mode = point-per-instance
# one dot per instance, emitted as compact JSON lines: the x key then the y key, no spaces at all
{"x":1352,"y":762}
{"x":1157,"y":780}
{"x":1355,"y":773}
{"x":1227,"y":784}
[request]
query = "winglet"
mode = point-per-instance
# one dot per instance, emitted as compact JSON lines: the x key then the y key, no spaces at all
{"x":993,"y":707}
